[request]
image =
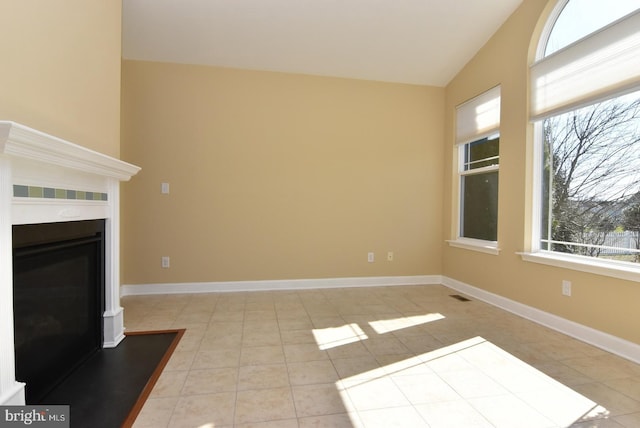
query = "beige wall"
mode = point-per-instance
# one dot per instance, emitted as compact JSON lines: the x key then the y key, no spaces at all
{"x":60,"y":69}
{"x":278,"y":176}
{"x":604,"y":303}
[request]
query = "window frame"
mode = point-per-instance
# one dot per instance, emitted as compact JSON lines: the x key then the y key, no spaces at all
{"x":612,"y":268}
{"x":466,"y":113}
{"x":466,"y":172}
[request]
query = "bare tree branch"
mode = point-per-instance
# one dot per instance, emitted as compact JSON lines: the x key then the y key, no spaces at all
{"x":593,"y":165}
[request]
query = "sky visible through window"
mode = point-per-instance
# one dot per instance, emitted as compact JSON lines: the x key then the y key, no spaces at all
{"x":578,"y":19}
{"x":582,"y":17}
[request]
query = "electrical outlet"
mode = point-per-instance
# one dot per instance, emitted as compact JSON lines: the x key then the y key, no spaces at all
{"x":566,"y":288}
{"x":390,"y":256}
{"x":165,"y":262}
{"x":164,"y":188}
{"x":371,"y":257}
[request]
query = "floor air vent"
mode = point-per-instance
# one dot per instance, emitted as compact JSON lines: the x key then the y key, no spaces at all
{"x":459,"y":297}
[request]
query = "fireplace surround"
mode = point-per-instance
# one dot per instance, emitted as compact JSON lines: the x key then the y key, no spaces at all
{"x":44,"y":179}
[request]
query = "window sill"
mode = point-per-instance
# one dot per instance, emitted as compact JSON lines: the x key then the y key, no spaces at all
{"x":479,"y":245}
{"x":609,"y":268}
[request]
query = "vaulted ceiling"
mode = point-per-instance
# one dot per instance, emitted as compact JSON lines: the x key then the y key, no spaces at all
{"x":408,"y":41}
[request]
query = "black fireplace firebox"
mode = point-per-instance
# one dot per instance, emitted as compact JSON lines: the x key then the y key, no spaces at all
{"x":58,"y":289}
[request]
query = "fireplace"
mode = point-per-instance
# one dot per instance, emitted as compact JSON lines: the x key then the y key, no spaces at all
{"x":58,"y":300}
{"x":59,"y":198}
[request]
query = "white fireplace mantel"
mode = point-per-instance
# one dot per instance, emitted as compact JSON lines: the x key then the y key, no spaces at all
{"x":45,"y":179}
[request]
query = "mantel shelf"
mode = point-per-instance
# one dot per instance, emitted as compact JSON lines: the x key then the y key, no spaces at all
{"x":24,"y":142}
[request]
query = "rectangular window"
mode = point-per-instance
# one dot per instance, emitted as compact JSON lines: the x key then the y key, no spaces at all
{"x":478,"y":153}
{"x":590,"y":186}
{"x":479,"y":163}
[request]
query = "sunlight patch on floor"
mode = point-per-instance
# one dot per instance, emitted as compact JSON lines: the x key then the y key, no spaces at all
{"x":387,"y":326}
{"x":331,"y":337}
{"x":473,"y":382}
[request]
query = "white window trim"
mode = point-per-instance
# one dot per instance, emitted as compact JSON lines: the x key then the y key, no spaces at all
{"x":611,"y":268}
{"x":536,"y":176}
{"x":480,"y":245}
{"x":482,"y":170}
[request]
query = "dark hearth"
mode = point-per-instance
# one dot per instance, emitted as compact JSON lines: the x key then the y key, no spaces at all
{"x":58,"y":285}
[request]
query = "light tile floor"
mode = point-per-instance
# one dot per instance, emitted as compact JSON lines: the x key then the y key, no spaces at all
{"x":374,"y":357}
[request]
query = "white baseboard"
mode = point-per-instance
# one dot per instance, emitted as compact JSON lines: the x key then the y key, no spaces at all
{"x":270,"y":285}
{"x":605,"y":341}
{"x":608,"y":342}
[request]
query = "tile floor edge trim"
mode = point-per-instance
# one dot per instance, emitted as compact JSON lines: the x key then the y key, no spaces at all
{"x":600,"y":339}
{"x":271,"y":285}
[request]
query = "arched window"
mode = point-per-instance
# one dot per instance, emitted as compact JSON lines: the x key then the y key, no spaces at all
{"x":576,"y":19}
{"x":585,"y":105}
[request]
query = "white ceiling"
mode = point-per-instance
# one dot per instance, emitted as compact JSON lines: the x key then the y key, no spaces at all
{"x":409,"y":41}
